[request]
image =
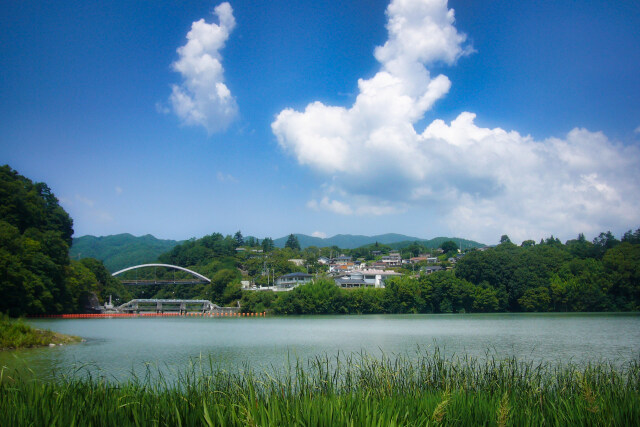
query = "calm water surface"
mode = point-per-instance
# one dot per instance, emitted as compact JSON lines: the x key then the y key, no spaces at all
{"x":117,"y":347}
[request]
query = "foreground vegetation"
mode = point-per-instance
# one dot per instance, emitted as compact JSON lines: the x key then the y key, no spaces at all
{"x":346,"y":390}
{"x":15,"y":334}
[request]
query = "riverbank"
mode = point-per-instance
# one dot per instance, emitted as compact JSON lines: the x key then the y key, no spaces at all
{"x":344,"y":390}
{"x":15,"y":334}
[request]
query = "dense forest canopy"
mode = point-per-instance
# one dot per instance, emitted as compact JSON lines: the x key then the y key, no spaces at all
{"x":36,"y":274}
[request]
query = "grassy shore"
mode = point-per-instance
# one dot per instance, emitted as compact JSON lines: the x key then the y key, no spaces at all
{"x":346,"y":390}
{"x":16,"y":334}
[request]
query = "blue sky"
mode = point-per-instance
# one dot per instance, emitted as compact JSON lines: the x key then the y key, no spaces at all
{"x":516,"y":117}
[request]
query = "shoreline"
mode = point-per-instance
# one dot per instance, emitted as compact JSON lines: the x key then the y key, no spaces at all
{"x":15,"y":335}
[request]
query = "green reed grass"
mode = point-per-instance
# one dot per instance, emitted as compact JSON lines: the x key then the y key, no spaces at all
{"x":350,"y":390}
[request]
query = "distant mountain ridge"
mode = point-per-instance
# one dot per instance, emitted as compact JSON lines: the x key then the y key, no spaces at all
{"x":120,"y":250}
{"x":124,"y":250}
{"x":351,"y":241}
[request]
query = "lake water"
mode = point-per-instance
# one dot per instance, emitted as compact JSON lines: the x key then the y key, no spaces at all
{"x":115,"y":348}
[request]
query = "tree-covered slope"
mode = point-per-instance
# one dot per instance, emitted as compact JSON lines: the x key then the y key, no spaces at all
{"x":121,"y":250}
{"x":36,"y":275}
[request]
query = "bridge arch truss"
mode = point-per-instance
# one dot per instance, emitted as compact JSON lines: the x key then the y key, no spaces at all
{"x":135,"y":267}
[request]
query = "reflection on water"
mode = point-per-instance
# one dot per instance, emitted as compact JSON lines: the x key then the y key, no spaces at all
{"x":118,"y":348}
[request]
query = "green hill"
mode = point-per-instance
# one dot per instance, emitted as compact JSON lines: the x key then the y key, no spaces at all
{"x":121,"y":250}
{"x":350,"y":241}
{"x":436,"y":242}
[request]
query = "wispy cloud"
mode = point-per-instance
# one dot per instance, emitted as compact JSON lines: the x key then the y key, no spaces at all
{"x":485,"y":181}
{"x":86,"y":209}
{"x":334,"y":206}
{"x":85,"y":200}
{"x":118,"y":190}
{"x":203,"y":98}
{"x":319,"y":234}
{"x":225,"y":177}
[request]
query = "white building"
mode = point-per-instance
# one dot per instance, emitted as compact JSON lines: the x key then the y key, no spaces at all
{"x":365,"y":278}
{"x":393,"y":259}
{"x":292,"y":280}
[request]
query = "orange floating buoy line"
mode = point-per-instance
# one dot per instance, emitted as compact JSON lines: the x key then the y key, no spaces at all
{"x":150,"y":314}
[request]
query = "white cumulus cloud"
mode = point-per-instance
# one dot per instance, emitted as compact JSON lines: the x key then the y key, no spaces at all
{"x":203,"y":99}
{"x":319,"y":234}
{"x":483,"y":182}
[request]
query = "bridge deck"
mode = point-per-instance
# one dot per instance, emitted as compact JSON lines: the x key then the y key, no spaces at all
{"x":170,"y":301}
{"x":170,"y":305}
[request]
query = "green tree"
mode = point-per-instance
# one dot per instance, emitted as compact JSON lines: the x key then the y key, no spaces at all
{"x":505,"y":239}
{"x":622,"y":266}
{"x":403,"y":295}
{"x":580,"y":247}
{"x":82,"y":286}
{"x":238,"y":238}
{"x":536,"y":299}
{"x":107,"y":285}
{"x":415,"y":248}
{"x":449,"y":247}
{"x":220,"y":281}
{"x":553,"y":241}
{"x":485,"y":300}
{"x":604,"y":242}
{"x":632,"y":237}
{"x":267,"y":244}
{"x":292,"y":242}
{"x":559,"y":290}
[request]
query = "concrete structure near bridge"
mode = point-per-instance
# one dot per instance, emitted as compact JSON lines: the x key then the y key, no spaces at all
{"x":156,"y":305}
{"x":181,"y":306}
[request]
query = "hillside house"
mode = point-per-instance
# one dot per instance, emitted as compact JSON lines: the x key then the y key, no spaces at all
{"x":365,"y":278}
{"x":292,"y":280}
{"x":342,"y":259}
{"x":432,"y":269}
{"x":392,"y":260}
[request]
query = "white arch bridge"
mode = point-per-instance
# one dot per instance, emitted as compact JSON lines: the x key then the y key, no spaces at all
{"x":197,"y":277}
